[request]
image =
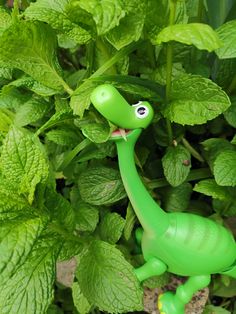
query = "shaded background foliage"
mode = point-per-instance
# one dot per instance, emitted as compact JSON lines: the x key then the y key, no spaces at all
{"x":61,"y":192}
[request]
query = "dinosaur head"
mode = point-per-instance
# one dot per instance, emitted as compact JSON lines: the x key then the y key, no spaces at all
{"x":111,"y":105}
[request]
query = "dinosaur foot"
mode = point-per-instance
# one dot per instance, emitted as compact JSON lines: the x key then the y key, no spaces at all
{"x":168,"y":304}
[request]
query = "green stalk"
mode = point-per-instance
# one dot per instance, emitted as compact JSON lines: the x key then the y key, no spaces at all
{"x":196,"y":174}
{"x":71,"y":155}
{"x":192,"y":150}
{"x":200,"y":11}
{"x":169,"y":65}
{"x":15,"y":11}
{"x":119,"y":55}
{"x":232,"y":85}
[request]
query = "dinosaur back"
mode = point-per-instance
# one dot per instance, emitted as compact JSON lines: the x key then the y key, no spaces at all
{"x":192,"y":245}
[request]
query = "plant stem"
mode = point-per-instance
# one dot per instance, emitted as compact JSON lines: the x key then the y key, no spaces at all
{"x":196,"y":174}
{"x":120,"y":54}
{"x":192,"y":150}
{"x":71,"y":155}
{"x":232,"y":85}
{"x":15,"y":11}
{"x":169,"y":64}
{"x":200,"y":11}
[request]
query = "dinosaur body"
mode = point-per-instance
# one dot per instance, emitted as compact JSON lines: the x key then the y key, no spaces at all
{"x":181,"y":243}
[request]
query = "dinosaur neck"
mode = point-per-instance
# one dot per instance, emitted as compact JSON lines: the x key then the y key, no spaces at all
{"x":150,"y":215}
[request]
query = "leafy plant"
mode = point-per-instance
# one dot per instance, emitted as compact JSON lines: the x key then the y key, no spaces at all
{"x":61,"y":192}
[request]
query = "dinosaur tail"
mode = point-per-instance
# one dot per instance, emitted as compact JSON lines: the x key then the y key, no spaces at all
{"x":231,"y":271}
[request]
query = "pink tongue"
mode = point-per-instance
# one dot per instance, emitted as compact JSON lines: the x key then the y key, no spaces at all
{"x":117,"y":132}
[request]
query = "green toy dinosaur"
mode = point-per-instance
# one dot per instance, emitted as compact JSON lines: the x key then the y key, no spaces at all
{"x":180,"y":243}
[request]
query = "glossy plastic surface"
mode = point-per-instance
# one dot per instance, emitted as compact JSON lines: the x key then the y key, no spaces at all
{"x":181,"y":243}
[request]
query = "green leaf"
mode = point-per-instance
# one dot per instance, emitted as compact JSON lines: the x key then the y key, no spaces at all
{"x":111,"y":227}
{"x":176,"y":199}
{"x":130,"y":27}
{"x":86,"y":217}
{"x":30,"y":47}
{"x":195,"y":100}
{"x":211,"y":309}
{"x":33,"y":85}
{"x":55,"y":13}
{"x":97,"y":132}
{"x":157,"y":281}
{"x":225,"y":168}
{"x":155,"y":21}
{"x":200,"y":35}
{"x":17,"y":237}
{"x":130,"y":219}
{"x":10,"y":199}
{"x":30,"y":289}
{"x":159,"y":75}
{"x":31,"y":112}
{"x":63,"y":137}
{"x":109,"y":271}
{"x":6,"y":119}
{"x":227,"y":34}
{"x":176,"y":164}
{"x":80,"y":302}
{"x":58,"y":118}
{"x":106,"y":13}
{"x":60,"y":209}
{"x":12,"y":98}
{"x":24,"y":161}
{"x":54,"y":309}
{"x":101,"y":186}
{"x":230,"y":113}
{"x":213,"y":147}
{"x":5,"y":19}
{"x":210,"y":188}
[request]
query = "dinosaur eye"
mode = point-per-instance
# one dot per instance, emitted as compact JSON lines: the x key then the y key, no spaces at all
{"x":141,"y":112}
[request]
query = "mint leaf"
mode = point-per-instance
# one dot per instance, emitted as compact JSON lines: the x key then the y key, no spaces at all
{"x":60,"y":209}
{"x":55,"y":13}
{"x":211,"y":188}
{"x":33,"y":85}
{"x":210,"y":309}
{"x":200,"y":35}
{"x":24,"y":161}
{"x":86,"y":217}
{"x":111,"y":227}
{"x":30,"y":47}
{"x":101,"y":186}
{"x":31,"y":112}
{"x":58,"y":118}
{"x":176,"y":199}
{"x":109,"y":271}
{"x":12,"y":98}
{"x":230,"y":113}
{"x":30,"y":289}
{"x":130,"y":27}
{"x":176,"y":164}
{"x":225,"y":168}
{"x":17,"y":237}
{"x":227,"y":34}
{"x":155,"y":21}
{"x":96,"y":132}
{"x":6,"y":119}
{"x":63,"y":137}
{"x":10,"y":199}
{"x":213,"y":147}
{"x":106,"y":13}
{"x":81,"y":303}
{"x":5,"y":20}
{"x":195,"y":100}
{"x":130,"y":219}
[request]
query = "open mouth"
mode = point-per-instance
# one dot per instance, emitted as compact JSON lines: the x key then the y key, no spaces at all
{"x":121,"y":133}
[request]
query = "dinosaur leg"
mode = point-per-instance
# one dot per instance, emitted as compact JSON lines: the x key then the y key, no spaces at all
{"x":153,"y":267}
{"x":170,"y":303}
